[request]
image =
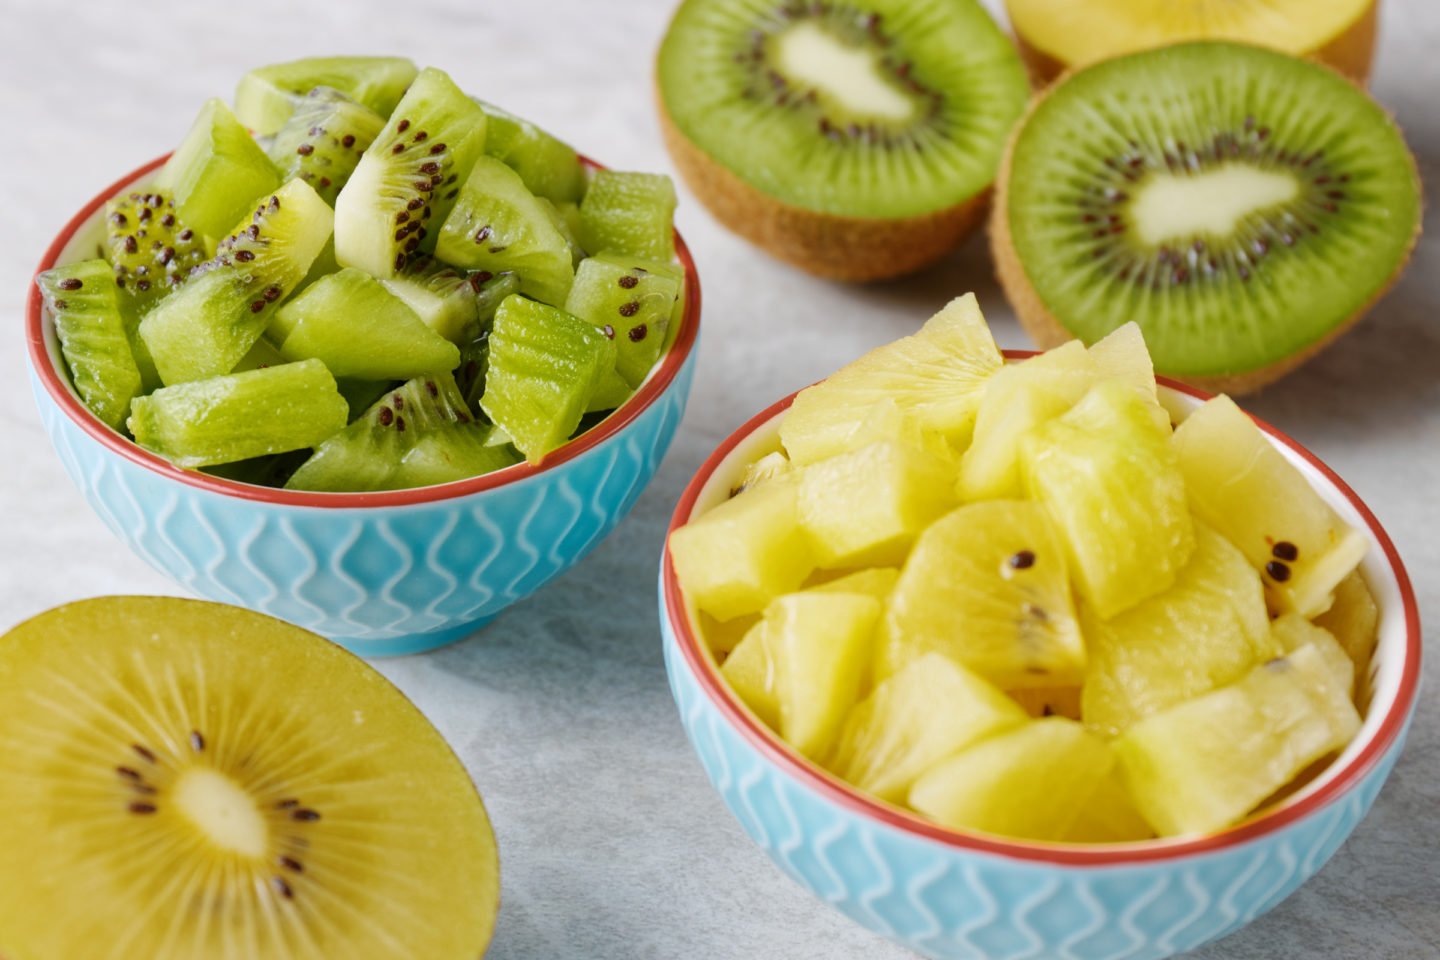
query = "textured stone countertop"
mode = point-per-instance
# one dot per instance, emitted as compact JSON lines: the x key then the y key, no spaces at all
{"x":614,"y":846}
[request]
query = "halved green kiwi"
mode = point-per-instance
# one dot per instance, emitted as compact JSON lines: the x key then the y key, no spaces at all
{"x":1244,"y":207}
{"x":189,"y":780}
{"x":854,"y":138}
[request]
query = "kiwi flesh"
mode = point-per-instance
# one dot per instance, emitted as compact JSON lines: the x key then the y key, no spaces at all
{"x":195,"y":780}
{"x":267,"y":96}
{"x":457,"y":304}
{"x":205,"y":327}
{"x":389,"y":212}
{"x":1057,"y":35}
{"x":324,"y":139}
{"x":549,"y":167}
{"x":857,"y":140}
{"x":629,"y":213}
{"x":217,"y":172}
{"x":85,"y":302}
{"x":631,"y":305}
{"x":1243,"y":206}
{"x":150,"y":247}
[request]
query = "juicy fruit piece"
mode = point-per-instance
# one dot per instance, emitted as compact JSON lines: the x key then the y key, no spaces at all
{"x":1029,"y":782}
{"x":240,"y":415}
{"x":935,"y":376}
{"x":406,"y":183}
{"x":1107,"y":476}
{"x":417,"y":434}
{"x":821,"y":643}
{"x":876,"y":582}
{"x":772,"y":465}
{"x":323,"y":140}
{"x":1243,"y":486}
{"x":867,"y":506}
{"x":549,"y":168}
{"x":1291,"y":631}
{"x":268,"y":95}
{"x":1205,"y":631}
{"x":886,"y":421}
{"x":1017,"y":399}
{"x":915,"y":719}
{"x":176,"y":752}
{"x":217,"y":173}
{"x":204,"y":328}
{"x":1353,"y":620}
{"x":83,"y":299}
{"x":1250,"y":207}
{"x":987,"y":585}
{"x":1204,"y":764}
{"x":1122,"y":355}
{"x":632,"y":305}
{"x":1109,"y":816}
{"x":544,"y":367}
{"x":151,"y":249}
{"x":1058,"y":34}
{"x":358,"y":329}
{"x":455,"y":304}
{"x":498,"y":225}
{"x":735,"y":558}
{"x":750,"y":671}
{"x":856,"y":140}
{"x":630,"y":214}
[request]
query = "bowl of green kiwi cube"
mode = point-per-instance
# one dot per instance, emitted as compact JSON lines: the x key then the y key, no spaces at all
{"x":364,"y":352}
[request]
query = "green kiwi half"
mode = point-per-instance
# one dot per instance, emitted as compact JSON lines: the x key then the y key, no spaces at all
{"x":187,"y":780}
{"x":855,"y":138}
{"x":1244,"y":207}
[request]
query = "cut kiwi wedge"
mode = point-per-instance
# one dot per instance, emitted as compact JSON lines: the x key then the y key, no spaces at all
{"x":267,"y":96}
{"x":150,"y":247}
{"x":83,"y":299}
{"x":457,"y":304}
{"x":629,"y":214}
{"x":408,"y":179}
{"x":195,"y":780}
{"x":324,"y":139}
{"x":856,"y":140}
{"x":1056,"y":35}
{"x":217,"y":172}
{"x":1242,"y":206}
{"x":631,"y":305}
{"x":549,"y":167}
{"x":204,"y":328}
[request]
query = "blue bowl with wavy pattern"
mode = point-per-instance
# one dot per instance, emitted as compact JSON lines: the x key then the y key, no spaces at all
{"x":951,"y":895}
{"x":381,"y":573}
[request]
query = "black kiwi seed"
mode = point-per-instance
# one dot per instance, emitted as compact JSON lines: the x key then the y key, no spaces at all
{"x":131,"y":246}
{"x":244,"y":256}
{"x":274,"y":205}
{"x":291,"y":864}
{"x":629,"y":309}
{"x":286,"y":804}
{"x":1023,"y":560}
{"x":1285,"y":550}
{"x":1278,"y":571}
{"x":141,"y":807}
{"x":71,"y":283}
{"x":402,"y":126}
{"x":628,"y":282}
{"x":282,"y":888}
{"x":400,"y":427}
{"x":609,"y":331}
{"x":143,"y":753}
{"x":255,"y":307}
{"x":304,"y":149}
{"x":638,"y":332}
{"x":347,"y":141}
{"x":197,"y":740}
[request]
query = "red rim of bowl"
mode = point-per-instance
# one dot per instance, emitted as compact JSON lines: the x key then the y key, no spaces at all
{"x":841,"y":793}
{"x":46,"y":369}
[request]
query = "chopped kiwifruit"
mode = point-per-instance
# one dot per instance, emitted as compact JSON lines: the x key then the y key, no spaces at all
{"x":857,"y":140}
{"x":324,"y":139}
{"x":1056,"y":35}
{"x":194,"y":780}
{"x":549,"y":167}
{"x":1244,"y":207}
{"x":267,"y":96}
{"x":85,"y":303}
{"x":217,"y":172}
{"x":151,"y":249}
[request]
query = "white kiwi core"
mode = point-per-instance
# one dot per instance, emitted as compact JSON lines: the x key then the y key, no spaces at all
{"x":223,"y":812}
{"x":851,"y":76}
{"x":1167,"y":206}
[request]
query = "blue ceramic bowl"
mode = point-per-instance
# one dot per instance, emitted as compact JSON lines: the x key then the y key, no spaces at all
{"x":382,"y":573}
{"x":948,"y":894}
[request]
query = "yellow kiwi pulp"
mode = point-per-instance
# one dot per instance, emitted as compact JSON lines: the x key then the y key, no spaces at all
{"x":189,"y":780}
{"x":1055,"y":35}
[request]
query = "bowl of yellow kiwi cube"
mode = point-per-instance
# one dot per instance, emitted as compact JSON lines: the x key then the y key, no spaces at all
{"x":1011,"y":654}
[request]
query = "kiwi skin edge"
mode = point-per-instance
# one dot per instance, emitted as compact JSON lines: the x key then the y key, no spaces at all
{"x":855,"y":249}
{"x":1047,"y":332}
{"x":1350,"y":52}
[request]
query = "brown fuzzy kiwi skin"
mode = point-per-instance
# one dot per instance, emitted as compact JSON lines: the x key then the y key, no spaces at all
{"x":1047,"y":332}
{"x":853,"y":249}
{"x":1350,"y":52}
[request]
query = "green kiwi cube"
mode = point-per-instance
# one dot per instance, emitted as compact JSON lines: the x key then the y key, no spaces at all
{"x":545,"y":366}
{"x":369,"y":454}
{"x":238,"y":416}
{"x":498,"y":225}
{"x":206,"y":326}
{"x":324,"y":139}
{"x":267,"y":95}
{"x":85,"y":303}
{"x":359,"y":329}
{"x":549,"y":167}
{"x":217,"y":172}
{"x":456,"y":304}
{"x":612,"y":391}
{"x":629,"y":213}
{"x":631,"y":304}
{"x":405,"y":185}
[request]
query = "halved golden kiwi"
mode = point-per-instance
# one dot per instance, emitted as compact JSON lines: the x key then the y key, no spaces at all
{"x":190,"y":780}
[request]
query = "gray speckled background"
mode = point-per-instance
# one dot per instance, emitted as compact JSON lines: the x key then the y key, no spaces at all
{"x":614,"y":847}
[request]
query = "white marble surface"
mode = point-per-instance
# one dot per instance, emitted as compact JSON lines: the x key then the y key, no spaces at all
{"x":614,"y":847}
